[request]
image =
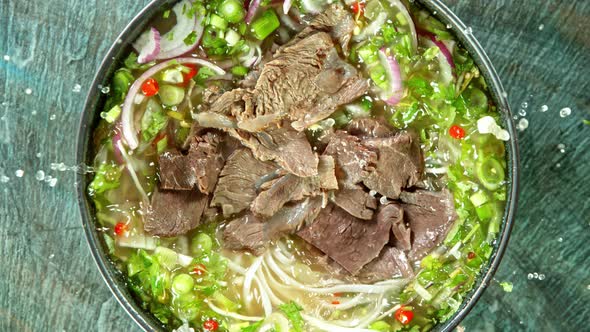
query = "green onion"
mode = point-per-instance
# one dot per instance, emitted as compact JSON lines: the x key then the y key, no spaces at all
{"x":167,"y":257}
{"x":239,"y":71}
{"x":202,"y":244}
{"x":490,"y":172}
{"x":479,"y":198}
{"x":121,"y":82}
{"x":112,"y":115}
{"x":191,"y":38}
{"x":182,"y":284}
{"x":379,"y":75}
{"x":380,"y":326}
{"x":232,"y":37}
{"x":171,"y":95}
{"x":368,"y":53}
{"x":166,"y":14}
{"x":265,"y":25}
{"x":232,"y":10}
{"x":162,"y":145}
{"x":485,"y":211}
{"x":218,"y":22}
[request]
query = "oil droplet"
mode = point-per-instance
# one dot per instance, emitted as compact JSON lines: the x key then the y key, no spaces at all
{"x":565,"y":112}
{"x":19,"y":173}
{"x":4,"y":178}
{"x":28,"y":91}
{"x":40,"y":176}
{"x":523,"y":124}
{"x":77,"y":88}
{"x":105,"y":90}
{"x":52,"y":117}
{"x":544,"y":108}
{"x":7,"y":57}
{"x":541,"y":27}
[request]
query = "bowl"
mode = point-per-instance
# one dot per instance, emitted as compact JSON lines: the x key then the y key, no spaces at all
{"x":115,"y":280}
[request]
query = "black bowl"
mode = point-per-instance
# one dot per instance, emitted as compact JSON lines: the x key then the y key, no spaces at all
{"x":115,"y":280}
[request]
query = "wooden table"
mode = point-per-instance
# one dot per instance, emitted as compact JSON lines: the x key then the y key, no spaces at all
{"x":49,"y":51}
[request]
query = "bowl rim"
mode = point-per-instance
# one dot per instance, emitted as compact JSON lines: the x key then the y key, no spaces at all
{"x":113,"y":278}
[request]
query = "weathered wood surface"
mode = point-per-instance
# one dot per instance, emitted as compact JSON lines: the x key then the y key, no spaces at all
{"x":48,"y":281}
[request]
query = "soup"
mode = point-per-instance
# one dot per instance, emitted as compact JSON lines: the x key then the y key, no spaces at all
{"x":299,"y":166}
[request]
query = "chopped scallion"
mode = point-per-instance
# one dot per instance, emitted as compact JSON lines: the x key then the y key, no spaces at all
{"x":232,"y":10}
{"x":265,"y":25}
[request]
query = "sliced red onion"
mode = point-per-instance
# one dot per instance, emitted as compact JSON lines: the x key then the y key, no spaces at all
{"x":148,"y":46}
{"x":254,"y":4}
{"x":129,"y":132}
{"x":404,"y":11}
{"x":442,"y":45}
{"x":115,"y":141}
{"x":286,"y":6}
{"x":172,"y":43}
{"x":394,"y":76}
{"x":446,"y":70}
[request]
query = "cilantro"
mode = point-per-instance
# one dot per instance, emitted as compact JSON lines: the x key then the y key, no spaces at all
{"x":191,"y":38}
{"x":388,"y":32}
{"x":132,"y":64}
{"x":507,"y":286}
{"x":203,"y":74}
{"x":170,"y":36}
{"x":153,"y":121}
{"x":293,"y":312}
{"x":252,"y":328}
{"x":106,"y":178}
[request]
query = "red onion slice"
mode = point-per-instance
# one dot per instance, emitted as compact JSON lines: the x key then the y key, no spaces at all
{"x":442,"y":45}
{"x":148,"y":46}
{"x":129,"y":132}
{"x":394,"y":76}
{"x":172,"y":43}
{"x":254,"y":4}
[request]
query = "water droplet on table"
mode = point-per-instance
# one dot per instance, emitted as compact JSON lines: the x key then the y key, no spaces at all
{"x":544,"y":108}
{"x":4,"y":179}
{"x":566,"y":111}
{"x":541,"y":27}
{"x":523,"y":124}
{"x":105,"y":89}
{"x":7,"y":57}
{"x":541,"y":276}
{"x":524,"y":105}
{"x":529,"y":276}
{"x":19,"y":173}
{"x":560,"y":239}
{"x":52,"y":117}
{"x":522,"y":112}
{"x":561,"y":147}
{"x":40,"y":176}
{"x":468,"y":31}
{"x":77,"y":88}
{"x":28,"y":91}
{"x":39,"y":155}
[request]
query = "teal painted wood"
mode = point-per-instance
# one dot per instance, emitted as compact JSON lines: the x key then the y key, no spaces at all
{"x":48,"y":281}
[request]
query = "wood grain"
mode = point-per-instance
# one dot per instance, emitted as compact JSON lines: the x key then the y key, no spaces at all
{"x":48,"y":281}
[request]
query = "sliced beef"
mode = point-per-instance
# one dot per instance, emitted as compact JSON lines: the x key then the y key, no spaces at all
{"x":356,"y":201}
{"x":369,"y":128}
{"x":402,"y":234}
{"x":288,"y":188}
{"x":327,"y":173}
{"x":430,"y":215}
{"x":283,"y":145}
{"x":254,"y":234}
{"x":173,"y":213}
{"x":336,"y":21}
{"x":391,"y":263}
{"x":400,"y":164}
{"x":354,"y":161}
{"x":349,"y":241}
{"x":306,"y":81}
{"x":238,"y":181}
{"x":233,"y":102}
{"x":199,"y":168}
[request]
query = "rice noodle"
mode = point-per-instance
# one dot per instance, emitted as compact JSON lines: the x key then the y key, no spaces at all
{"x":263,"y":283}
{"x":249,"y":276}
{"x":331,"y":327}
{"x":233,"y":314}
{"x":132,"y":172}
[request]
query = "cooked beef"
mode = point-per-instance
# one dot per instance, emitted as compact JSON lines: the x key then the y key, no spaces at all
{"x":349,"y":241}
{"x":394,"y":214}
{"x":306,"y":81}
{"x":288,"y":188}
{"x":253,"y":234}
{"x":327,"y":173}
{"x":369,"y":128}
{"x":173,"y":213}
{"x":400,"y":164}
{"x":236,"y":187}
{"x":283,"y":145}
{"x":356,"y":201}
{"x":430,"y":215}
{"x":354,"y":161}
{"x":391,"y":263}
{"x":336,"y":21}
{"x":245,"y":233}
{"x":199,"y":168}
{"x":233,"y":102}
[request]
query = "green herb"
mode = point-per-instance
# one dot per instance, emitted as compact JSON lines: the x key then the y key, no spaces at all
{"x":239,"y":71}
{"x":191,"y":38}
{"x":293,"y":312}
{"x":170,"y":36}
{"x":232,"y":10}
{"x":265,"y":25}
{"x":153,"y":121}
{"x":132,"y":64}
{"x":204,"y":74}
{"x":166,"y":14}
{"x":507,"y":286}
{"x":252,"y":328}
{"x":107,"y":177}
